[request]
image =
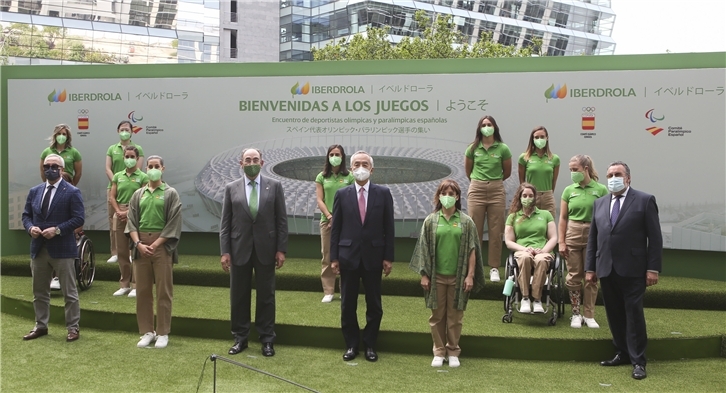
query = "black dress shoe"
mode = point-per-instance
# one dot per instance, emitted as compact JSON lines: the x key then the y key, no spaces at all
{"x":268,"y":349}
{"x":238,"y":347}
{"x":350,"y":354}
{"x":639,"y":372}
{"x":371,"y":355}
{"x":35,"y":333}
{"x":73,"y":335}
{"x":618,"y":360}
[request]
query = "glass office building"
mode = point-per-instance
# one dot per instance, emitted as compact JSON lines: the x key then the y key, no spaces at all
{"x":109,"y":31}
{"x":566,"y":27}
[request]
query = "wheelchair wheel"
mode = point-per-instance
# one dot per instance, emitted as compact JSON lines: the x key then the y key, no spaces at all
{"x":507,"y":318}
{"x":552,"y":321}
{"x":560,"y":294}
{"x":85,"y":263}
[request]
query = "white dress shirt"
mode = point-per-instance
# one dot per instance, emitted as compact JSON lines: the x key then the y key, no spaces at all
{"x":365,"y":193}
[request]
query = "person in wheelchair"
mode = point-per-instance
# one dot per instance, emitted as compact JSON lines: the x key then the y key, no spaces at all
{"x":532,"y":235}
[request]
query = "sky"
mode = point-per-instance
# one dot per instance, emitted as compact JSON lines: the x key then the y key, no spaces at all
{"x":678,"y":26}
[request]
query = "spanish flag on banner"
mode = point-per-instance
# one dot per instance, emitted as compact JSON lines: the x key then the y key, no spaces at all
{"x":588,"y":122}
{"x":654,"y":130}
{"x":83,"y":122}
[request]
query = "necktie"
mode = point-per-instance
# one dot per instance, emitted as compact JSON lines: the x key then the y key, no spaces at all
{"x":362,"y":204}
{"x":46,"y":200}
{"x":253,"y":199}
{"x":616,"y":210}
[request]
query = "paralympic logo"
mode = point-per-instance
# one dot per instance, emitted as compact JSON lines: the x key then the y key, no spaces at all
{"x":297,"y":90}
{"x":649,"y":115}
{"x":134,"y":119}
{"x":556,"y":92}
{"x":57,"y":96}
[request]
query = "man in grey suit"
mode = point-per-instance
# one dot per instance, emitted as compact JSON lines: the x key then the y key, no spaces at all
{"x":253,"y":236}
{"x":624,"y":250}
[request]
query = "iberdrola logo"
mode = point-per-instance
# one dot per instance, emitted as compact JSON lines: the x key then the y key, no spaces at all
{"x":297,"y":90}
{"x":57,"y":97}
{"x":554,"y":93}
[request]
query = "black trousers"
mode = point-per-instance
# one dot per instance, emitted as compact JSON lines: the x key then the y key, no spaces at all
{"x":349,"y":287}
{"x":240,"y":298}
{"x":623,"y":298}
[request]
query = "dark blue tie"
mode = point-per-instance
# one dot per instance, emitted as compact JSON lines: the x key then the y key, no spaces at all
{"x":616,"y":210}
{"x":46,"y":201}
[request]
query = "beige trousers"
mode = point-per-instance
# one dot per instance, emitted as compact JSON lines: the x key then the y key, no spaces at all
{"x":111,"y":227}
{"x":576,"y":241}
{"x":122,"y":242}
{"x":546,"y":201}
{"x":149,"y":270}
{"x":526,"y":263}
{"x":486,"y":200}
{"x":327,"y":275}
{"x":446,"y":320}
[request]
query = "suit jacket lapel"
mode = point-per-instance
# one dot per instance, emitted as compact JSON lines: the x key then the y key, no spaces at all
{"x":371,"y":199}
{"x":60,"y":190}
{"x":263,"y":193}
{"x":243,"y":190}
{"x":624,"y":206}
{"x":353,"y":191}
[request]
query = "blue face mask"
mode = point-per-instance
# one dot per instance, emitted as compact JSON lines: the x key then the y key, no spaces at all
{"x":616,"y":184}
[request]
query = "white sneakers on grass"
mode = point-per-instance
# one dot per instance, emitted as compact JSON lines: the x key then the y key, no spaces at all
{"x":146,"y":340}
{"x":132,"y":293}
{"x":113,"y":259}
{"x":122,"y":292}
{"x":55,"y":283}
{"x":454,"y":361}
{"x":438,"y":361}
{"x":576,"y":321}
{"x":327,"y":298}
{"x":537,"y":307}
{"x":162,"y":341}
{"x":591,"y":323}
{"x":494,"y":275}
{"x":525,"y":307}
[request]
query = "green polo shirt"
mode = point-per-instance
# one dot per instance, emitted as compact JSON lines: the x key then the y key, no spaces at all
{"x":151,"y":210}
{"x":530,"y":231}
{"x":70,"y":157}
{"x":539,"y":171}
{"x":331,"y":185}
{"x":116,"y":152}
{"x":127,"y":184}
{"x":580,"y":201}
{"x":488,"y":162}
{"x":448,"y":239}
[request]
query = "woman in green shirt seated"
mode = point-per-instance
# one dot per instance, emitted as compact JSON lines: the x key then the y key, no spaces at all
{"x":123,"y":186}
{"x":448,"y":258}
{"x":531,"y":234}
{"x":154,"y":225}
{"x":333,"y":177}
{"x":576,"y":209}
{"x":540,"y":167}
{"x":60,"y":144}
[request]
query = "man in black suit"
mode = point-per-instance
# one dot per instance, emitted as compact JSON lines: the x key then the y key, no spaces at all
{"x":253,"y":236}
{"x":361,"y":248}
{"x":624,"y":250}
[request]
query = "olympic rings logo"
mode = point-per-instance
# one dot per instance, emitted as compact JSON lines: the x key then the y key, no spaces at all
{"x":83,"y":111}
{"x":588,"y":109}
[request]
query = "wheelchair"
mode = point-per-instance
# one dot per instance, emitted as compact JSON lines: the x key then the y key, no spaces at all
{"x":554,"y":292}
{"x":85,"y":262}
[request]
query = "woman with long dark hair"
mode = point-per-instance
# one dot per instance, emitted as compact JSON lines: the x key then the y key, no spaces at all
{"x":540,"y":167}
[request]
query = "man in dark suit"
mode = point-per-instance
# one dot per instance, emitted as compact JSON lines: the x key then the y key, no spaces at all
{"x":52,"y":211}
{"x":624,"y":250}
{"x":253,"y":236}
{"x":361,"y":247}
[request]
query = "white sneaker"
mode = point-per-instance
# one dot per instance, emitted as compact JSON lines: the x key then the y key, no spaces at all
{"x":327,"y":298}
{"x":454,"y":361}
{"x":494,"y":275}
{"x":591,"y":323}
{"x":525,"y":307}
{"x":438,"y":361}
{"x":122,"y":292}
{"x":146,"y":340}
{"x":162,"y":341}
{"x":132,"y":293}
{"x":538,"y":309}
{"x":55,"y":283}
{"x":576,"y":321}
{"x":113,"y":259}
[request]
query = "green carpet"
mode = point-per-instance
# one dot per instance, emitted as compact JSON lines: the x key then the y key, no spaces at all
{"x":303,"y":275}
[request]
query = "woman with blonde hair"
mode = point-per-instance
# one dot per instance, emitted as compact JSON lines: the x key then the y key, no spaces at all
{"x":448,"y":259}
{"x":60,"y":144}
{"x":576,"y":210}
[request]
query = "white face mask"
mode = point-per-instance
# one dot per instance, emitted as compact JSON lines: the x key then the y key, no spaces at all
{"x":616,"y":184}
{"x":361,"y":174}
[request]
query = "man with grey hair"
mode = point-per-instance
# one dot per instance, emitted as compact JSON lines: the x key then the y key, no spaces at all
{"x":53,"y":210}
{"x":361,"y":248}
{"x":624,"y":250}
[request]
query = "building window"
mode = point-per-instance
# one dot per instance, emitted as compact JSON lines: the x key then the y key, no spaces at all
{"x":558,"y":45}
{"x":488,"y":7}
{"x":535,"y":11}
{"x":510,"y":9}
{"x":510,"y":35}
{"x":465,"y":5}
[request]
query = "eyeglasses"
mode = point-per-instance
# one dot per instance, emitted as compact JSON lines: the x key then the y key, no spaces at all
{"x":54,"y":167}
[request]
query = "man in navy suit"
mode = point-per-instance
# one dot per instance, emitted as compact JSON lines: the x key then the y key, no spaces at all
{"x":52,"y":211}
{"x":361,"y":248}
{"x":624,"y":250}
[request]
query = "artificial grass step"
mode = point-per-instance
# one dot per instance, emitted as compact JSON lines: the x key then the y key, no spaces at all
{"x":303,"y":321}
{"x":304,"y":275}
